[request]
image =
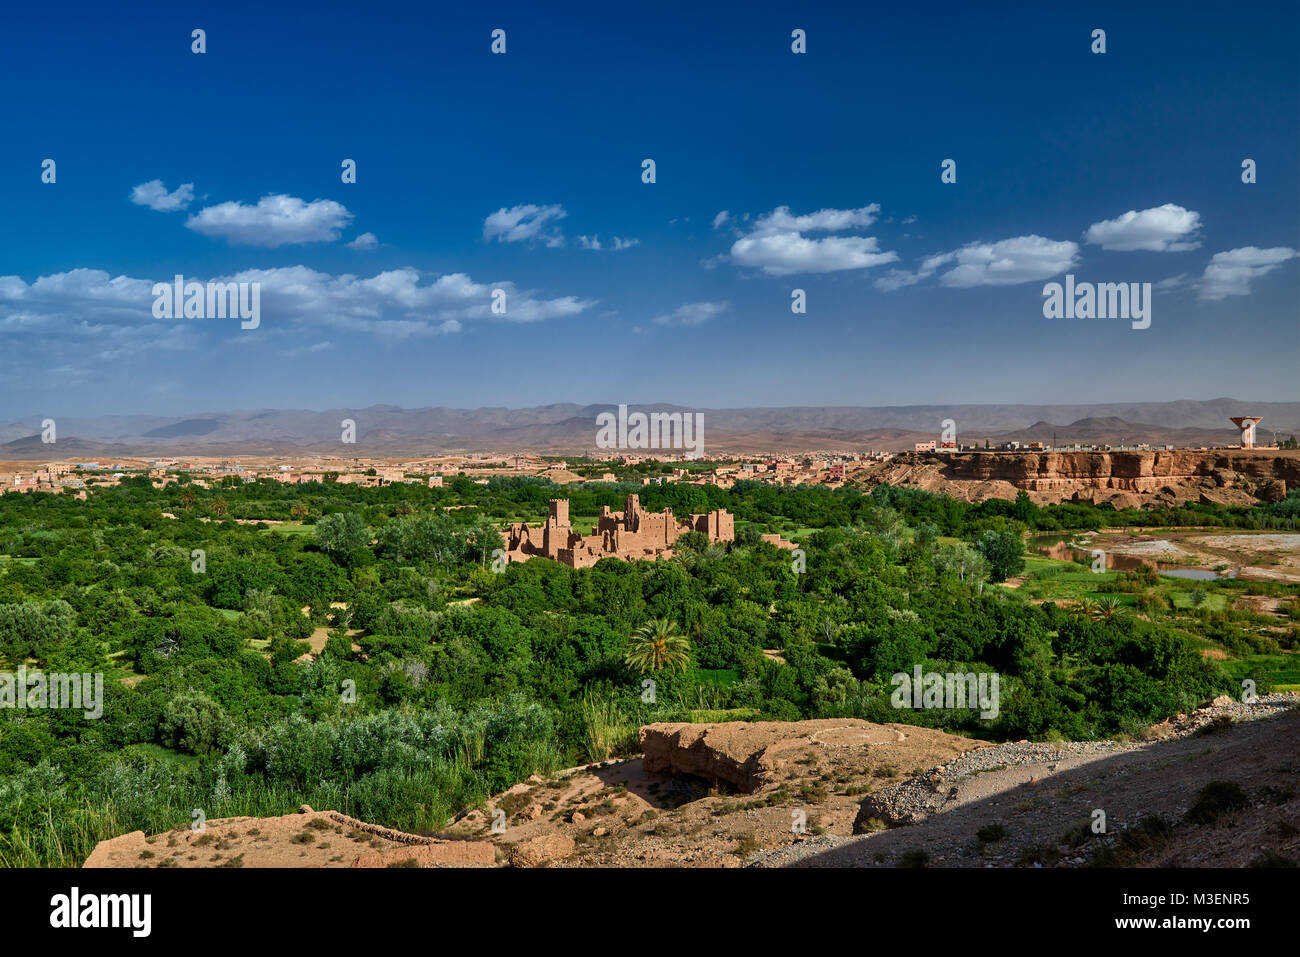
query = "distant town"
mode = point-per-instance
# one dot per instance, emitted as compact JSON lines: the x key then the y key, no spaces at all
{"x":723,"y":470}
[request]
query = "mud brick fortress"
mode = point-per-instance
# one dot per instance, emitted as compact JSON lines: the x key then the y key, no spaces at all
{"x":630,"y":534}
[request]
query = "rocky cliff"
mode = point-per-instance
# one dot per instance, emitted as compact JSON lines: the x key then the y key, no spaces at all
{"x":1124,"y":478}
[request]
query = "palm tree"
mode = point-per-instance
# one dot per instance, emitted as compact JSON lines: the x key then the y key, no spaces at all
{"x":1086,"y":608}
{"x":218,"y":507}
{"x":298,"y":510}
{"x":657,"y":645}
{"x":1109,"y":607}
{"x":187,"y":497}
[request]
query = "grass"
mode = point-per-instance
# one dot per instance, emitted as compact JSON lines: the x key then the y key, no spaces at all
{"x":1214,"y":601}
{"x":714,"y":715}
{"x":292,"y":528}
{"x":606,"y":729}
{"x":1280,"y":670}
{"x":163,"y":754}
{"x":719,"y":676}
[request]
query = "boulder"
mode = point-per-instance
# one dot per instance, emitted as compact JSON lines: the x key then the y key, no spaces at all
{"x":1273,"y":490}
{"x":749,"y":755}
{"x":541,"y":851}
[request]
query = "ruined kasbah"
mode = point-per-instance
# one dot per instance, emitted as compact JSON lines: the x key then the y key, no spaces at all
{"x":630,"y":534}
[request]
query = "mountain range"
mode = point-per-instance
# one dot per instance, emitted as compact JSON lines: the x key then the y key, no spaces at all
{"x":571,"y":428}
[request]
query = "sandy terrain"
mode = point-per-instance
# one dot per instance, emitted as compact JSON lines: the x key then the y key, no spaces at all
{"x":306,"y":839}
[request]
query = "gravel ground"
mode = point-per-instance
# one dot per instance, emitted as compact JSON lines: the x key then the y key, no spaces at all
{"x":1042,"y":790}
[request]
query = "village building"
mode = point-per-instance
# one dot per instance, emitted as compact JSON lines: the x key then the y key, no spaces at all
{"x":630,"y":534}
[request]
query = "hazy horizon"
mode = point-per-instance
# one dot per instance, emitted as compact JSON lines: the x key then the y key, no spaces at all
{"x":233,"y":410}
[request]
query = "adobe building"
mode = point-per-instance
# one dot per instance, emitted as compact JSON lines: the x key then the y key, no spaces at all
{"x":630,"y":534}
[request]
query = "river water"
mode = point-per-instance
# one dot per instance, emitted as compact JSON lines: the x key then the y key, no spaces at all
{"x":1058,"y":547}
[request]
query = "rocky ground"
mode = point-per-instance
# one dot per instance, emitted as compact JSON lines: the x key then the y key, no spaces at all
{"x":1216,"y":787}
{"x":707,"y":795}
{"x":308,"y":838}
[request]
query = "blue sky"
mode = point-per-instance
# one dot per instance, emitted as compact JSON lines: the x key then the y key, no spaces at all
{"x":478,"y":171}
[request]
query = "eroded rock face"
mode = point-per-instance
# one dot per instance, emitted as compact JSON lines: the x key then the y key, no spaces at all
{"x":752,"y":755}
{"x":1129,"y":471}
{"x":1225,"y":476}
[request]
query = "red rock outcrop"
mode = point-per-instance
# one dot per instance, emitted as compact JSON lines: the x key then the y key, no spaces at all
{"x":1173,"y":476}
{"x":751,"y":755}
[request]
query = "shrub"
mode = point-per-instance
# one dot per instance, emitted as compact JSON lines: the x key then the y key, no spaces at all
{"x":194,"y":723}
{"x":1215,"y":800}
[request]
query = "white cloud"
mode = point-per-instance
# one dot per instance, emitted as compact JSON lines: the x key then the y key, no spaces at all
{"x":692,"y":314}
{"x":1163,"y":229}
{"x":1004,"y":263}
{"x":395,"y":304}
{"x":1010,"y":261}
{"x":618,"y":243}
{"x":365,"y":241}
{"x":1230,"y":273}
{"x":784,"y":254}
{"x":721,"y":219}
{"x":898,"y":278}
{"x":780,"y":220}
{"x":154,"y":195}
{"x":519,"y":223}
{"x":277,"y":220}
{"x":776,"y":244}
{"x":84,"y":314}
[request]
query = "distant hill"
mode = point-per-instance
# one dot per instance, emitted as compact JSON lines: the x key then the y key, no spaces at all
{"x":570,"y":429}
{"x":1112,"y":430}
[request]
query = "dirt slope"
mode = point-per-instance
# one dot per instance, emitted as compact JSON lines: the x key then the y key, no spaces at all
{"x":306,"y":839}
{"x":1217,"y":789}
{"x":711,"y":795}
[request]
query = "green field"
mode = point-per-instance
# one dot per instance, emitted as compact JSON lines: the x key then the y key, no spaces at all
{"x":1066,"y":582}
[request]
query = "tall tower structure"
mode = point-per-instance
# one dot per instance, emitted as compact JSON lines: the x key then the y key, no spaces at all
{"x":1247,"y":425}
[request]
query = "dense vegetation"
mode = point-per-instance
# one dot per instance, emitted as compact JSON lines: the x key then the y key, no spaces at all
{"x":441,"y":681}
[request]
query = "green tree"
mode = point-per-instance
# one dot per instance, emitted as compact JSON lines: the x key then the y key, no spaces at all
{"x":967,"y":563}
{"x":340,"y":534}
{"x":657,"y":645}
{"x":1004,"y":552}
{"x":193,"y":722}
